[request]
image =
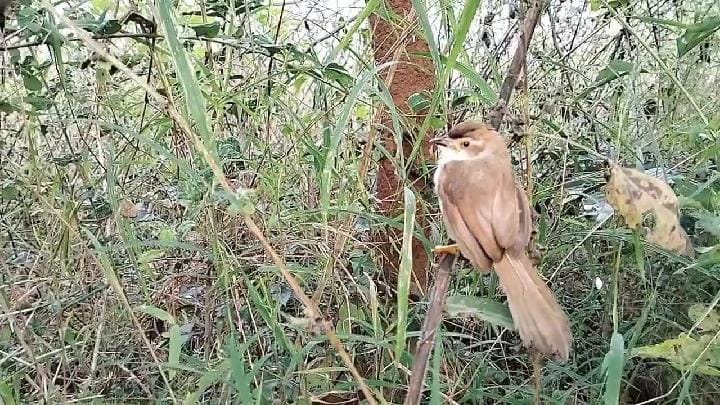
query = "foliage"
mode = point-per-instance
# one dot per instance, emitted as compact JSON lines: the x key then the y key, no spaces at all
{"x":126,"y":275}
{"x":701,"y":354}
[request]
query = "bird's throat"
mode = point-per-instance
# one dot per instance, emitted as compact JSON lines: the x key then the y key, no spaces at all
{"x":448,"y":155}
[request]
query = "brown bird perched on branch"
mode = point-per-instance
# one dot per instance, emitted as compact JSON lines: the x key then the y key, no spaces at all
{"x":487,"y":214}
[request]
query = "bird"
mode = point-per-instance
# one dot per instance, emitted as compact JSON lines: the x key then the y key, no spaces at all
{"x":487,"y":214}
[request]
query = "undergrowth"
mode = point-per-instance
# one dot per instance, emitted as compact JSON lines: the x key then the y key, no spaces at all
{"x":128,"y":274}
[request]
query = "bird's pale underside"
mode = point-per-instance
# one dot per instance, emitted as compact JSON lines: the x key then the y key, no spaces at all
{"x":487,"y":214}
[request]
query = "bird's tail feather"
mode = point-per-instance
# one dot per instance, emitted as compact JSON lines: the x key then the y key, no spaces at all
{"x":540,"y":320}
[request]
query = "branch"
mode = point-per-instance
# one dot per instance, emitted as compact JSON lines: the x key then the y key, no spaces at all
{"x":95,"y":37}
{"x":141,"y":35}
{"x":430,"y":327}
{"x":518,"y":61}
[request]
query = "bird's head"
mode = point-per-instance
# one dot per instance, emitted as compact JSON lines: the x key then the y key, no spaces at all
{"x":469,"y":140}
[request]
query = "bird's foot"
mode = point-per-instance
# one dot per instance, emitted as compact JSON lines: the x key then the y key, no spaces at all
{"x":447,"y":249}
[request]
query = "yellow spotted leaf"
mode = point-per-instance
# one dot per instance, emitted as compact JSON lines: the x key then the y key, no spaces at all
{"x":685,"y":352}
{"x":633,"y":193}
{"x":709,"y":323}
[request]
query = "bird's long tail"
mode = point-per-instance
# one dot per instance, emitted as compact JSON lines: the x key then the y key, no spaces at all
{"x":540,"y":320}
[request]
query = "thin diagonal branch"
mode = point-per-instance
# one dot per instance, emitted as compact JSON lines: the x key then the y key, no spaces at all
{"x":518,"y":61}
{"x":430,"y":327}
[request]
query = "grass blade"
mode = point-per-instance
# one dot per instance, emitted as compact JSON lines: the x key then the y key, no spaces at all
{"x":421,"y":11}
{"x":174,"y":350}
{"x":437,"y":361}
{"x":483,"y":308}
{"x":194,"y":99}
{"x":613,"y":369}
{"x":462,"y":29}
{"x":405,"y":273}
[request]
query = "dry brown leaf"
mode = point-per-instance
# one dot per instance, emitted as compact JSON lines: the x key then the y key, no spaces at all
{"x":633,"y":193}
{"x":128,"y":209}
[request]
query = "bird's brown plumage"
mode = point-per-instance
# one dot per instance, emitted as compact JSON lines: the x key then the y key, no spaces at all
{"x":487,"y":214}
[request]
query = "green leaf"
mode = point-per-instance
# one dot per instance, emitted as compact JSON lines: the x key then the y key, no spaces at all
{"x":7,"y":108}
{"x":241,"y":203}
{"x":167,"y":236}
{"x":27,"y":18}
{"x":708,"y":222}
{"x":194,"y":99}
{"x":31,"y":82}
{"x":100,"y":5}
{"x":109,"y":27}
{"x":150,"y":256}
{"x":421,"y":11}
{"x":334,"y":140}
{"x":242,"y":379}
{"x":483,"y":308}
{"x":615,"y":69}
{"x":56,"y":39}
{"x":405,"y":273}
{"x":349,"y":313}
{"x":709,"y":322}
{"x":157,"y":313}
{"x":485,"y":92}
{"x":207,"y":30}
{"x":697,"y":33}
{"x":9,"y":192}
{"x":612,"y":367}
{"x":684,"y":352}
{"x":419,"y":102}
{"x":38,"y":103}
{"x":207,"y":380}
{"x":7,"y":396}
{"x":337,"y":73}
{"x":174,"y":350}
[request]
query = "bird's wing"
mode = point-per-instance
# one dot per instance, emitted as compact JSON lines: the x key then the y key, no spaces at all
{"x":525,"y":224}
{"x":466,"y":189}
{"x":459,"y":232}
{"x":506,"y":212}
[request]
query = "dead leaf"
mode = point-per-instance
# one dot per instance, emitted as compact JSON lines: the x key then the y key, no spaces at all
{"x":128,"y":209}
{"x":633,"y":193}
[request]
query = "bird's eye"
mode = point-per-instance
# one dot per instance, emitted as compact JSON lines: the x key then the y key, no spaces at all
{"x":465,"y":144}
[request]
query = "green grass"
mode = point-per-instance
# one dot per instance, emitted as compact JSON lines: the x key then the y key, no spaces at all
{"x":127,"y":275}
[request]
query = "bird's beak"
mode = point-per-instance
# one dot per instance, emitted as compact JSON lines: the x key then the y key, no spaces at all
{"x":439,"y":141}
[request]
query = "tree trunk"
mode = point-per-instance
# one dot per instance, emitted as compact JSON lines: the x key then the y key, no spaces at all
{"x":412,"y":74}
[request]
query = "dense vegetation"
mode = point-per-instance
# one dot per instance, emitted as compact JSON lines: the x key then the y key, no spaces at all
{"x":138,"y":170}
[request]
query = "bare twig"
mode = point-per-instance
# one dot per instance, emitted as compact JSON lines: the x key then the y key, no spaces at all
{"x":31,"y":44}
{"x":430,"y":327}
{"x":518,"y":61}
{"x":124,"y":35}
{"x":537,"y":376}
